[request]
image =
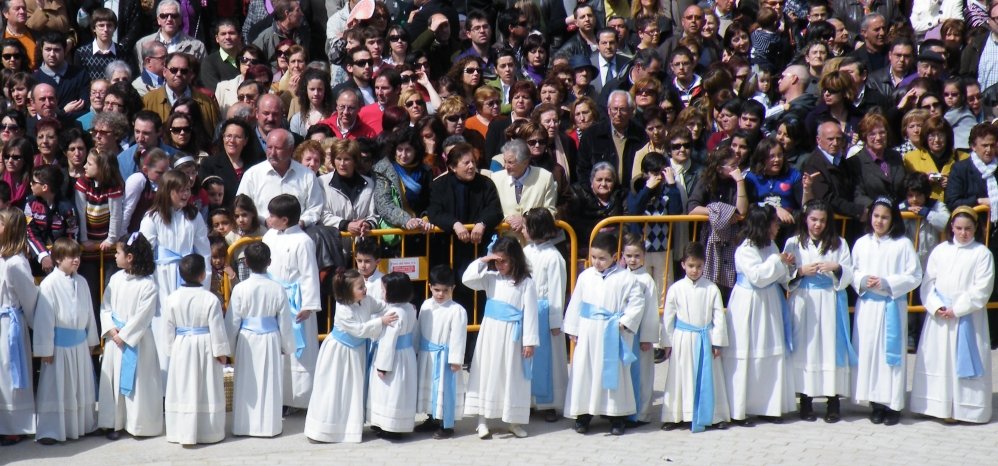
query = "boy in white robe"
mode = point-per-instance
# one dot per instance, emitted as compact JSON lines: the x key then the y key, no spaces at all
{"x":293,"y":265}
{"x":693,"y":333}
{"x":643,"y":371}
{"x":606,"y":306}
{"x":443,"y":330}
{"x":65,"y":331}
{"x":365,"y":258}
{"x":259,"y":326}
{"x":195,"y":391}
{"x":392,"y":380}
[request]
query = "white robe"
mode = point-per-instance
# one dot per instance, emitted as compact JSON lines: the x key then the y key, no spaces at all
{"x":442,"y":324}
{"x":620,"y":293}
{"x":648,"y":332}
{"x":755,"y":360}
{"x":497,"y":387}
{"x":814,"y":369}
{"x":195,"y":391}
{"x":964,"y":275}
{"x":336,"y":410}
{"x":17,"y":289}
{"x":698,"y":304}
{"x":67,"y":397}
{"x":133,"y":299}
{"x":392,"y":399}
{"x":897,"y":265}
{"x":257,"y":394}
{"x":375,"y":288}
{"x":182,"y":236}
{"x":547,"y":268}
{"x":292,"y":255}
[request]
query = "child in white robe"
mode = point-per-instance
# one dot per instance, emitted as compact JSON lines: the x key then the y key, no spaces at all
{"x":443,"y":331}
{"x":952,"y":378}
{"x":643,"y":371}
{"x":693,"y":333}
{"x":365,"y":259}
{"x":174,"y":229}
{"x":759,"y":326}
{"x":336,"y":410}
{"x":18,"y":296}
{"x":547,"y":268}
{"x":258,"y":322}
{"x":65,"y":330}
{"x":195,"y":390}
{"x":885,"y":269}
{"x":499,"y":384}
{"x":293,"y":265}
{"x":823,"y":351}
{"x":392,"y":381}
{"x":607,"y":305}
{"x":131,"y":391}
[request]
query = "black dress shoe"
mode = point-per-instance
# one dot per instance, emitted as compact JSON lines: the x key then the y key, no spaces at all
{"x":878,"y":414}
{"x":582,"y":423}
{"x":659,"y":355}
{"x":720,"y":426}
{"x":807,"y":409}
{"x":891,"y":417}
{"x":671,"y":426}
{"x":743,"y":422}
{"x":634,"y":424}
{"x":551,"y":415}
{"x":442,"y":433}
{"x":113,"y":434}
{"x":429,"y":425}
{"x":617,"y":428}
{"x":47,"y":441}
{"x":833,"y":414}
{"x":772,"y":419}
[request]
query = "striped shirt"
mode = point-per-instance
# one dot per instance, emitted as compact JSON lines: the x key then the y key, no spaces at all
{"x":987,"y":68}
{"x":97,"y":206}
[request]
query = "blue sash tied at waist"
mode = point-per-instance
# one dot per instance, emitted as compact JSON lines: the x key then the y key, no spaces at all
{"x":259,"y":325}
{"x":968,"y":357}
{"x":788,"y":328}
{"x":191,"y":331}
{"x":442,"y":374}
{"x":403,"y":342}
{"x":505,"y":312}
{"x":541,"y":385}
{"x":293,"y":290}
{"x":894,"y":346}
{"x":347,"y":339}
{"x":15,"y":346}
{"x":167,"y":256}
{"x":129,"y":363}
{"x":69,"y":337}
{"x":703,"y":376}
{"x":615,"y":350}
{"x":845,"y":353}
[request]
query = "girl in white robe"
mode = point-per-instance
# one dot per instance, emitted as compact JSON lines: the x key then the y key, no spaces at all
{"x":823,"y":351}
{"x":258,"y":322}
{"x":199,"y":347}
{"x":336,"y":410}
{"x":649,"y":332}
{"x":392,"y":380}
{"x":443,"y":331}
{"x":174,"y":229}
{"x":18,"y":296}
{"x":952,"y":378}
{"x":65,"y":330}
{"x":694,"y":315}
{"x":547,"y":268}
{"x":130,"y":396}
{"x":607,"y":304}
{"x":755,"y":360}
{"x":885,"y":269}
{"x":499,"y":385}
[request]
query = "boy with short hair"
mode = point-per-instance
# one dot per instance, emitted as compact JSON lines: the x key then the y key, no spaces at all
{"x":64,"y":332}
{"x":50,"y":216}
{"x":366,"y":257}
{"x":259,"y":327}
{"x":607,"y":304}
{"x":693,"y":330}
{"x":293,"y":265}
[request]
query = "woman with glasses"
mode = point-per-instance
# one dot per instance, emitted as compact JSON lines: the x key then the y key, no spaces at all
{"x":13,"y":56}
{"x":412,"y":101}
{"x":540,"y":144}
{"x":179,"y":132}
{"x":452,"y":113}
{"x":694,"y":120}
{"x":201,"y":140}
{"x":398,"y":45}
{"x":877,"y":170}
{"x":225,"y":91}
{"x":11,"y":125}
{"x":936,"y":156}
{"x":959,"y":116}
{"x":314,"y":99}
{"x":468,"y":72}
{"x":230,"y":158}
{"x":109,"y":129}
{"x":835,"y":102}
{"x":487,"y":104}
{"x":282,"y":62}
{"x":646,"y":92}
{"x":933,"y":103}
{"x":18,"y":162}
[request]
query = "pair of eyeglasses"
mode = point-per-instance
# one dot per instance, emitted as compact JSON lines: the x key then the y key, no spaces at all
{"x":180,"y":71}
{"x":364,"y":63}
{"x":13,"y":157}
{"x":180,"y":129}
{"x":414,"y":103}
{"x":454,"y":118}
{"x":472,"y":71}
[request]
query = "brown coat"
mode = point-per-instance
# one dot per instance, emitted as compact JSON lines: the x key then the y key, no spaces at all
{"x":157,"y":102}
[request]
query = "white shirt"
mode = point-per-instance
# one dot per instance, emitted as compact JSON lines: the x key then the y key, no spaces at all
{"x":262,"y":183}
{"x":603,"y":73}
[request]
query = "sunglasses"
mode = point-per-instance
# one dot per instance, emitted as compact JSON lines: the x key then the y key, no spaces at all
{"x":414,"y":103}
{"x":932,"y":105}
{"x":423,"y":64}
{"x":395,"y":39}
{"x":9,"y":127}
{"x":363,"y":63}
{"x":647,"y":91}
{"x":14,"y":157}
{"x":169,"y":16}
{"x":472,"y":71}
{"x":11,"y":56}
{"x":180,"y":129}
{"x":491,"y":103}
{"x":535,"y":142}
{"x":682,"y":145}
{"x":249,"y":61}
{"x":409,"y":78}
{"x":282,"y":53}
{"x":247,"y":97}
{"x":454,"y":118}
{"x":180,"y":71}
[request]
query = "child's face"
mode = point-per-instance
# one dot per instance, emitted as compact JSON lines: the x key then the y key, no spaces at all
{"x":90,"y":168}
{"x":37,"y":188}
{"x":68,"y":265}
{"x":916,"y":199}
{"x":277,"y":223}
{"x":243,"y":219}
{"x":502,"y":264}
{"x":191,"y":170}
{"x":693,"y":268}
{"x":218,"y":259}
{"x":179,"y":197}
{"x":156,"y":171}
{"x":774,"y":229}
{"x":600,"y":259}
{"x":359,"y":290}
{"x":221,"y":224}
{"x":216,"y":194}
{"x":366,"y":264}
{"x":122,"y":260}
{"x":765,"y":82}
{"x":817,"y":221}
{"x":442,"y":293}
{"x":634,"y":257}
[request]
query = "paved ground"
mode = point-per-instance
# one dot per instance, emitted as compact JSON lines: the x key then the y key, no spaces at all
{"x":854,"y":440}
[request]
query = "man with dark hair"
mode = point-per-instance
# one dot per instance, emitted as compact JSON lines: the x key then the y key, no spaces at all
{"x":95,"y":56}
{"x":476,"y":26}
{"x":222,"y":64}
{"x":361,"y":68}
{"x":868,"y":98}
{"x":584,"y":42}
{"x":387,"y":86}
{"x":289,"y":23}
{"x":901,"y":55}
{"x":71,"y":83}
{"x":179,"y":74}
{"x":606,"y":59}
{"x":438,"y":45}
{"x":425,"y":9}
{"x":645,"y":64}
{"x":147,"y":129}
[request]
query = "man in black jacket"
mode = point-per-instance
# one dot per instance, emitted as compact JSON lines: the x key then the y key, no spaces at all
{"x":826,"y":176}
{"x":614,"y":141}
{"x":222,"y":64}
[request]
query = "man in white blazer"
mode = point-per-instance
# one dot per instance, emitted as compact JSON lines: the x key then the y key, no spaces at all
{"x":522,"y":187}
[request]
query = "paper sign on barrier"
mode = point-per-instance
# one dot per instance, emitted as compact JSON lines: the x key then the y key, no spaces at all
{"x":411,"y":266}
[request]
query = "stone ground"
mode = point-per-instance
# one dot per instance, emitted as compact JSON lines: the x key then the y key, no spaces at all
{"x":854,"y":440}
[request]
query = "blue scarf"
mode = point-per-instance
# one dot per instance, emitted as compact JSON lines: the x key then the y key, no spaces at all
{"x":412,"y":182}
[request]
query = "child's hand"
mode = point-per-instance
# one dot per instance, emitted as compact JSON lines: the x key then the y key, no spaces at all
{"x":808,"y":270}
{"x":381,"y":374}
{"x":669,"y":174}
{"x":828,"y":266}
{"x":389,"y":318}
{"x":528,"y":351}
{"x":668,"y":352}
{"x":118,"y":341}
{"x":302,"y":315}
{"x":229,"y":272}
{"x":555,"y":332}
{"x":47,"y":359}
{"x":646,"y":346}
{"x":914,"y":209}
{"x":106,"y":245}
{"x":47,"y":264}
{"x":717,"y":352}
{"x":873,"y":283}
{"x":222,"y":359}
{"x":654,"y":179}
{"x":945,"y":313}
{"x":455,"y":367}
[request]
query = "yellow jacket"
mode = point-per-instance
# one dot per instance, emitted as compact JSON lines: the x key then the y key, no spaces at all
{"x":920,"y":161}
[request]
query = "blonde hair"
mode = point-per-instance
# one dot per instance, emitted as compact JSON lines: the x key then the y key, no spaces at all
{"x":14,"y":238}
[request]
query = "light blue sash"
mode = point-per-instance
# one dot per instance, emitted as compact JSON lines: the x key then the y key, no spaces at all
{"x":166,"y":256}
{"x":69,"y":337}
{"x":541,"y":385}
{"x":894,"y":347}
{"x":703,"y":376}
{"x":845,"y":353}
{"x":347,"y":339}
{"x":615,"y":351}
{"x":129,"y":363}
{"x":293,"y":290}
{"x":968,"y":357}
{"x":636,"y":377}
{"x":788,"y":327}
{"x":15,"y":346}
{"x":403,"y":342}
{"x":191,"y":331}
{"x":259,"y":325}
{"x":441,"y":374}
{"x":505,"y":312}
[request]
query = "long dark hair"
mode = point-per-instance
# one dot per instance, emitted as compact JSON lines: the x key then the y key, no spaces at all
{"x":712,"y":172}
{"x":326,"y":106}
{"x":757,"y":224}
{"x":897,"y":224}
{"x":139,"y":247}
{"x":760,"y":157}
{"x":829,"y":239}
{"x":196,"y":120}
{"x":509,"y":246}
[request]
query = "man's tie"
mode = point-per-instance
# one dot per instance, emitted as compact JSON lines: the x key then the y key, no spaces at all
{"x":518,"y":187}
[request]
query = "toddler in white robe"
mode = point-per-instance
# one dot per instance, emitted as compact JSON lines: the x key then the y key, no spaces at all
{"x":392,"y":380}
{"x":643,"y":371}
{"x":443,"y":331}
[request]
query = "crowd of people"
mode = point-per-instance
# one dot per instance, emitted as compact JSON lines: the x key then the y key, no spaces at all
{"x":164,"y":132}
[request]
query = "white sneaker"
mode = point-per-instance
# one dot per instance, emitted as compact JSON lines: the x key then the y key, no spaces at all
{"x":517,"y":431}
{"x":483,"y":432}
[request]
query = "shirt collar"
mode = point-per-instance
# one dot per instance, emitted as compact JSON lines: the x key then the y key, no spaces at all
{"x":230,"y":59}
{"x":110,"y":51}
{"x":832,"y":159}
{"x":521,"y":180}
{"x":172,"y":96}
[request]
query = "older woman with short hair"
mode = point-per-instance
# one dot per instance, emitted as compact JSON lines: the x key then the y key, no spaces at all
{"x":878,"y":170}
{"x":349,"y":195}
{"x":937,"y":156}
{"x":487,"y":103}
